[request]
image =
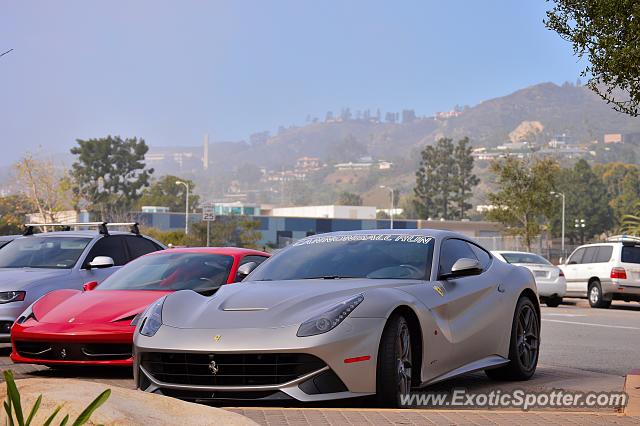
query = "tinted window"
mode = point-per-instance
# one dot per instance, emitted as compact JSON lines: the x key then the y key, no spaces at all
{"x":604,"y":254}
{"x":630,"y":254}
{"x":576,"y":257}
{"x":139,"y":246}
{"x":525,"y":258}
{"x":453,"y":250}
{"x":43,"y":252}
{"x":590,"y":255}
{"x":112,"y":246}
{"x":172,"y":271}
{"x":482,"y":255}
{"x":376,"y":256}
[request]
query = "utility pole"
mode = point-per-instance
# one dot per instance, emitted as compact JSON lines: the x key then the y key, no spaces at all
{"x":186,"y":210}
{"x":561,"y":194}
{"x":392,"y":203}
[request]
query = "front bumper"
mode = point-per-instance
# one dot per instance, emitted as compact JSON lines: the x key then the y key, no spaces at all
{"x":355,"y":337}
{"x":107,"y":344}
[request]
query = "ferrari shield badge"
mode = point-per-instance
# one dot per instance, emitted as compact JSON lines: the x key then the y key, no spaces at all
{"x":217,"y":338}
{"x":439,"y":290}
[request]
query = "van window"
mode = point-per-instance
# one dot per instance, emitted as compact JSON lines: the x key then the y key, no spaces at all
{"x":630,"y":254}
{"x":576,"y":257}
{"x":604,"y":254}
{"x":590,"y":255}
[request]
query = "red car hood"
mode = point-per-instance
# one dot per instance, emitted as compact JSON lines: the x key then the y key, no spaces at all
{"x":96,"y":306}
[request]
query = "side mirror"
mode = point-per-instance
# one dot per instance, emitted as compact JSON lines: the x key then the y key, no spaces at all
{"x":244,"y":270}
{"x":90,"y":285}
{"x":463,"y":268}
{"x":99,"y":262}
{"x":561,"y":261}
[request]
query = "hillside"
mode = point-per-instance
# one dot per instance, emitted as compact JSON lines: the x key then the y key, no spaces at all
{"x":574,"y":111}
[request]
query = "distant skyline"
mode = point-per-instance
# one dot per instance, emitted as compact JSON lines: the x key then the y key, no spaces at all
{"x":169,"y":72}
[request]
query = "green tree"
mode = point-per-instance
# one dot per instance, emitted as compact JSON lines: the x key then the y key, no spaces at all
{"x":110,"y":173}
{"x":166,"y":193}
{"x":13,"y":212}
{"x":523,"y":200}
{"x":444,"y":180}
{"x":236,"y":231}
{"x":346,"y":198}
{"x":623,"y":187}
{"x":606,"y":33}
{"x":465,"y":180}
{"x":586,"y":198}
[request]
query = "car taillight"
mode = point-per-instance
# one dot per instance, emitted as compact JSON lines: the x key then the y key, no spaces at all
{"x":619,"y":273}
{"x":561,"y":273}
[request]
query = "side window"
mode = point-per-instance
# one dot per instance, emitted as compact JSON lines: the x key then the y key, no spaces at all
{"x":590,"y":255}
{"x":252,"y":258}
{"x":139,"y":246}
{"x":576,"y":257}
{"x":604,"y":254}
{"x":483,"y":257}
{"x":451,"y":251}
{"x":112,"y":246}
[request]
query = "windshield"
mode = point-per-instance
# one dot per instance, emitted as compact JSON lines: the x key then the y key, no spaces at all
{"x":397,"y":256}
{"x":525,"y":258}
{"x":43,"y":252}
{"x":201,"y":272}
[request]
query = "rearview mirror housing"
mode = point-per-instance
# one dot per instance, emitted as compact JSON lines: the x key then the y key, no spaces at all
{"x":244,"y":270}
{"x":99,"y":262}
{"x":463,"y":267}
{"x":90,"y":285}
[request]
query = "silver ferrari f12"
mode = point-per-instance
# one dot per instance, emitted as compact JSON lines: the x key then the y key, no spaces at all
{"x":347,"y":314}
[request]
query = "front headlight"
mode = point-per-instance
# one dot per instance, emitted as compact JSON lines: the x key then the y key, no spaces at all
{"x":28,"y":313}
{"x":12,"y":296}
{"x":330,"y":319}
{"x":152,"y":319}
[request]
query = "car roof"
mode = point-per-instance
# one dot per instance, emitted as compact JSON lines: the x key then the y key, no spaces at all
{"x":231,"y":251}
{"x":514,"y":251}
{"x":89,"y":233}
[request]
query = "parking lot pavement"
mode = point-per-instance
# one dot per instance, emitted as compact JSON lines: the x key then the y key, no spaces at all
{"x":328,"y":417}
{"x":582,"y":349}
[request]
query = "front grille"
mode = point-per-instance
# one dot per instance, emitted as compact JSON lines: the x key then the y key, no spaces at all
{"x":60,"y":351}
{"x":229,"y":369}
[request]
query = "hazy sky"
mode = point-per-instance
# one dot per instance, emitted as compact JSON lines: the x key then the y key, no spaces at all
{"x":169,"y":71}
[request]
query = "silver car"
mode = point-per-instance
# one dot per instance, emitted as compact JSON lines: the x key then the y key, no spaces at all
{"x":35,"y":264}
{"x":343,"y":315}
{"x":550,"y":280}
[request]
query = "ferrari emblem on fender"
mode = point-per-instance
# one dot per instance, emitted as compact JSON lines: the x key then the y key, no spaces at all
{"x":439,"y":290}
{"x":217,"y":338}
{"x":213,"y":367}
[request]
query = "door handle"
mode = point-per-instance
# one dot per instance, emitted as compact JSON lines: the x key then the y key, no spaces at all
{"x":501,"y":288}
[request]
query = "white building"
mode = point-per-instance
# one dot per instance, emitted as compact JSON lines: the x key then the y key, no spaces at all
{"x":329,"y":212}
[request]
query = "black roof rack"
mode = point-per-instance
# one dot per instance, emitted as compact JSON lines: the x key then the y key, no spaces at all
{"x":102,"y":226}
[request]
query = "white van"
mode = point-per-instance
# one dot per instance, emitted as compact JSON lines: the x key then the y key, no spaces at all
{"x":604,"y":272}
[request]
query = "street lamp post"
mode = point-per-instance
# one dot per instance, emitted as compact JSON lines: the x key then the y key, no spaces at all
{"x":561,"y":194}
{"x":186,"y":209}
{"x":392,"y":208}
{"x":580,"y":225}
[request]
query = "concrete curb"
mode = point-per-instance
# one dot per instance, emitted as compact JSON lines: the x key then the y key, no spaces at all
{"x":124,"y":406}
{"x":632,"y":388}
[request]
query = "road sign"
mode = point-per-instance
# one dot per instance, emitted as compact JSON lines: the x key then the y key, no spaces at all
{"x":208,"y":214}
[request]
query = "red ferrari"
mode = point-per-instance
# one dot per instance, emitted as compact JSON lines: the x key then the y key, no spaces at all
{"x":95,"y":326}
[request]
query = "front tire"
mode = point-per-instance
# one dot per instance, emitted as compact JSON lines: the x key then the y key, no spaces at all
{"x":393,"y":377}
{"x":524,"y":346}
{"x":596,"y":299}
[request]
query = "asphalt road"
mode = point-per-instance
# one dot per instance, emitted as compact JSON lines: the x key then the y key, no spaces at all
{"x":582,"y":349}
{"x":597,"y":340}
